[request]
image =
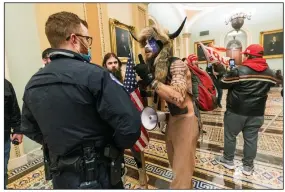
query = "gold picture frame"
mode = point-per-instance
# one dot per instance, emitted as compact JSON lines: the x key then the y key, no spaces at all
{"x":118,"y":29}
{"x":272,"y":49}
{"x":199,"y":51}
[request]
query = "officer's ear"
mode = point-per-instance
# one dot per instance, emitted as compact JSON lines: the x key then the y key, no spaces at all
{"x":73,"y":39}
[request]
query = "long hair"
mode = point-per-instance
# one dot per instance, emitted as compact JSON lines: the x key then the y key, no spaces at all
{"x":108,"y":56}
{"x":116,"y":73}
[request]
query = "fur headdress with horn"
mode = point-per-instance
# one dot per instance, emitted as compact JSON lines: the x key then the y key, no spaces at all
{"x":163,"y":39}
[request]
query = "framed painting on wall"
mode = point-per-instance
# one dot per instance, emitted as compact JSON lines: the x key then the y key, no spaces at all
{"x":121,"y":42}
{"x":272,"y":42}
{"x":199,"y":51}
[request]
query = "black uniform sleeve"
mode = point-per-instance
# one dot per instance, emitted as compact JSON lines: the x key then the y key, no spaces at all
{"x":15,"y":116}
{"x":230,"y":78}
{"x":116,"y":108}
{"x":30,"y":127}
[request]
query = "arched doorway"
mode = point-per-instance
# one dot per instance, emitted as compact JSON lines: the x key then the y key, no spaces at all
{"x":235,"y":42}
{"x":234,"y":49}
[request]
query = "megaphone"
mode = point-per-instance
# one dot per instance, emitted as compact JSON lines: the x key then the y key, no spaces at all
{"x":150,"y":118}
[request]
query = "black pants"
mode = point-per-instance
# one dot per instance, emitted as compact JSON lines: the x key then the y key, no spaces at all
{"x":220,"y":94}
{"x":219,"y":89}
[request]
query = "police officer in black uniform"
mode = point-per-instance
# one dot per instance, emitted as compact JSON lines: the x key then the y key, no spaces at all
{"x":79,"y":111}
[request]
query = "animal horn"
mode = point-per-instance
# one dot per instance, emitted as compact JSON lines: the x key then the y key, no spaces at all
{"x":176,"y":33}
{"x":133,"y":36}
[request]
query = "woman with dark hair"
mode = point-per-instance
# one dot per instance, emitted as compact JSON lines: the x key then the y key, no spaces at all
{"x":113,"y":64}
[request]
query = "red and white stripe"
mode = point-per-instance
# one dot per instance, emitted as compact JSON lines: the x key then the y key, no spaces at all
{"x":143,"y":141}
{"x":213,"y":56}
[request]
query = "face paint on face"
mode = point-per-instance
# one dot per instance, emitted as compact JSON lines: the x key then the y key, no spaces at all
{"x":151,"y":49}
{"x":152,"y":45}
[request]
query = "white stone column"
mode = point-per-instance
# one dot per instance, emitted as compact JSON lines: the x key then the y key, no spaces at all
{"x":186,"y":43}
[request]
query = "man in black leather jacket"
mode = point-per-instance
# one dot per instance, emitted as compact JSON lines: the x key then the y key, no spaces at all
{"x":248,"y":86}
{"x":70,"y":105}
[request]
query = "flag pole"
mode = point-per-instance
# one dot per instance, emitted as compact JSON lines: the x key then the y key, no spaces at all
{"x":144,"y":170}
{"x":142,"y":153}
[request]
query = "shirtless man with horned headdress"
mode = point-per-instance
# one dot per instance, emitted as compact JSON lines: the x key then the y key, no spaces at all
{"x":170,"y":79}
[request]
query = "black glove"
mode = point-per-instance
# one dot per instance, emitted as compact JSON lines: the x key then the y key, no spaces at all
{"x":143,"y":71}
{"x":145,"y":93}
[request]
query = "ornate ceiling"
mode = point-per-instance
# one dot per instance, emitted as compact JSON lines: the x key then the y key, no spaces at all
{"x":170,"y":15}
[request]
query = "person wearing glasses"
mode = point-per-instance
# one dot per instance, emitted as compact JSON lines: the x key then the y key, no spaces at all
{"x":70,"y":107}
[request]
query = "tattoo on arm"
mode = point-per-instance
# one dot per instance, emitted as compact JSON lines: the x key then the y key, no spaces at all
{"x":178,"y":83}
{"x":177,"y":90}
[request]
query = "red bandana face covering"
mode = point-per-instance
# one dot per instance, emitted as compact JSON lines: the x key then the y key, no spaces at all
{"x":257,"y":64}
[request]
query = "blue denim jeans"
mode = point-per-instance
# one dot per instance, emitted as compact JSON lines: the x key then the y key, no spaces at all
{"x":7,"y":147}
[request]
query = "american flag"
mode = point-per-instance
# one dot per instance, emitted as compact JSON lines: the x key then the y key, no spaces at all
{"x":131,"y":85}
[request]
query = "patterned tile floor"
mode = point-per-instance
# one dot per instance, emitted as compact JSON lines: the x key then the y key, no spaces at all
{"x":268,"y":173}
